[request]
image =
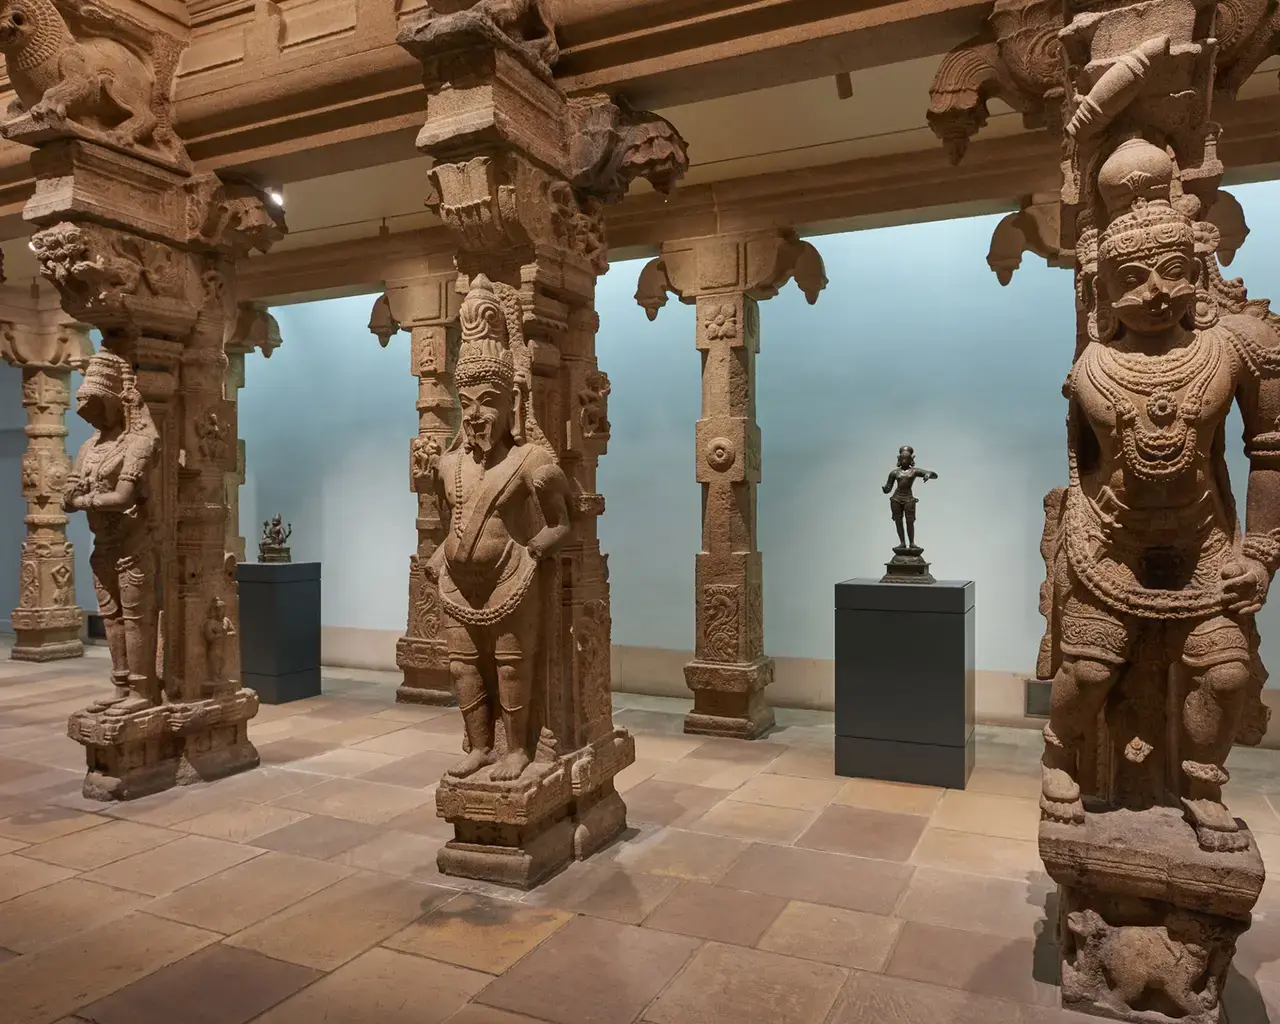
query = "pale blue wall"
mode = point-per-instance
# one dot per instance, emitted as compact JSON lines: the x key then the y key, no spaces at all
{"x":326,"y":423}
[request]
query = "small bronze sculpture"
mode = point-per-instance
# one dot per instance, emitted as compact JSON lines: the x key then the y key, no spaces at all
{"x":275,"y":535}
{"x":907,"y":565}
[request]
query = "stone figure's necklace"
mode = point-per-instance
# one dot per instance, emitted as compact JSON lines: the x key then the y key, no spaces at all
{"x":1168,"y":450}
{"x":458,"y":496}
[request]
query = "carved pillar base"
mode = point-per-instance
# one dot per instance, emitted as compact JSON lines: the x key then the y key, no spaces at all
{"x":426,"y":673}
{"x":729,"y":700}
{"x":521,"y":833}
{"x":1147,"y":920}
{"x":147,"y":751}
{"x":52,"y":634}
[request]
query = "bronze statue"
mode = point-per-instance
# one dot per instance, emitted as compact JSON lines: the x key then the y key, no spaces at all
{"x":507,"y":496}
{"x":1153,"y":584}
{"x":109,"y":483}
{"x":907,"y":565}
{"x":275,"y":537}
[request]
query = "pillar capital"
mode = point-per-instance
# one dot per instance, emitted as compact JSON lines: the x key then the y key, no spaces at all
{"x":757,"y":264}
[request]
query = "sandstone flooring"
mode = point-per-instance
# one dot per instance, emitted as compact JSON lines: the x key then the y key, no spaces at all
{"x":752,"y":884}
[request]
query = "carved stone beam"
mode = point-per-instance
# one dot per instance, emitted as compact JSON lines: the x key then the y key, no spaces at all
{"x":1036,"y":228}
{"x":427,"y":307}
{"x":725,"y":277}
{"x":254,"y":328}
{"x":1015,"y":58}
{"x":47,"y":348}
{"x":520,"y":174}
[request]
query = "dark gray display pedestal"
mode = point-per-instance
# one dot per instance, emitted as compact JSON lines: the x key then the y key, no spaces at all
{"x":904,"y":681}
{"x":280,"y":629}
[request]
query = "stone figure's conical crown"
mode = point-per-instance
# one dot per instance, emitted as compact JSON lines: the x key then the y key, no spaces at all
{"x":485,"y":355}
{"x":1136,"y":184}
{"x":107,"y":375}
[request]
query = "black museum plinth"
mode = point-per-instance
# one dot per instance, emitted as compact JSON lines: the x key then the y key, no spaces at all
{"x":280,"y":629}
{"x":904,"y":681}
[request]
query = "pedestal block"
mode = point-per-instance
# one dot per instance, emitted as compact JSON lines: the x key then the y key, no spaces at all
{"x":905,"y":681}
{"x":1147,"y":920}
{"x":280,"y":629}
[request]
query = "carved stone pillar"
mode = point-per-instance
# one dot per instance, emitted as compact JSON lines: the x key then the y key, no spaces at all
{"x":144,"y":249}
{"x":254,"y":328}
{"x":726,"y":276}
{"x":427,"y":307}
{"x":1152,"y":585}
{"x":47,"y":621}
{"x":519,"y":174}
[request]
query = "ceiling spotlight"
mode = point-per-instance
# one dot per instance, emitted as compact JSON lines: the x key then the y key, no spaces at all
{"x":276,"y":197}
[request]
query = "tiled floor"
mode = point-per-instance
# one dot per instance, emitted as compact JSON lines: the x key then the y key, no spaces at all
{"x":753,"y":885}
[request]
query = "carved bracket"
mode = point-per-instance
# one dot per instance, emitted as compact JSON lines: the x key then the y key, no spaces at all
{"x":1036,"y":228}
{"x":757,"y":265}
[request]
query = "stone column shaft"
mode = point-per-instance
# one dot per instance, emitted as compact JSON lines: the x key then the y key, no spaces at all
{"x":427,"y":308}
{"x":725,"y":277}
{"x":47,"y":622}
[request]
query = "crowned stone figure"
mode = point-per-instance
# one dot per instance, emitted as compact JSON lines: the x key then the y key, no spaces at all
{"x":109,"y":483}
{"x":1154,"y":587}
{"x":507,"y":499}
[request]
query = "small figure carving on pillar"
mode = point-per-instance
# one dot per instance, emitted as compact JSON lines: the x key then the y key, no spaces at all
{"x":506,"y":494}
{"x":109,"y":483}
{"x":275,"y":538}
{"x":219,"y":630}
{"x":907,"y":564}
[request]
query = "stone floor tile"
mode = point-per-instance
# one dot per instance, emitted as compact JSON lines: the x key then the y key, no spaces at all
{"x":477,"y":1013}
{"x":217,"y":985}
{"x":175,"y":805}
{"x":714,"y":773}
{"x":341,"y":921}
{"x":721,"y":915}
{"x":43,"y":986}
{"x":48,"y":915}
{"x":854,"y":883}
{"x":788,"y":791}
{"x":407,"y":854}
{"x":12,"y":769}
{"x":803,"y":763}
{"x":740,"y":820}
{"x":417,"y":771}
{"x":876,"y":999}
{"x":172,"y":866}
{"x":603,"y":891}
{"x":986,"y":964}
{"x":864,"y":833}
{"x":895,"y":797}
{"x":995,"y":782}
{"x":248,"y":893}
{"x":241,"y":821}
{"x":479,"y":932}
{"x":45,"y":823}
{"x":355,"y":731}
{"x":403,"y":742}
{"x":591,"y":972}
{"x":19,"y":876}
{"x":382,"y":987}
{"x":290,"y":750}
{"x":11,"y":846}
{"x":318,"y":836}
{"x":1256,"y":809}
{"x":831,"y":935}
{"x":729,"y":985}
{"x":636,"y":773}
{"x":668,"y":803}
{"x":1003,"y":816}
{"x":758,"y":752}
{"x":412,"y":713}
{"x":664,"y":748}
{"x":692,"y":856}
{"x":94,"y":847}
{"x":977,"y":854}
{"x":369,"y":802}
{"x":996,"y":906}
{"x":344,"y":762}
{"x":424,"y":821}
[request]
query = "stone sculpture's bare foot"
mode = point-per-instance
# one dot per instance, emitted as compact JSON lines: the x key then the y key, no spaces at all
{"x":510,"y":767}
{"x":129,"y":705}
{"x":1060,"y":797}
{"x":1216,"y":829}
{"x":122,"y":693}
{"x":472,"y":763}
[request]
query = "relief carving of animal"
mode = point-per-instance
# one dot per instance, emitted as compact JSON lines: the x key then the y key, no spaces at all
{"x":98,"y":82}
{"x":1136,"y":959}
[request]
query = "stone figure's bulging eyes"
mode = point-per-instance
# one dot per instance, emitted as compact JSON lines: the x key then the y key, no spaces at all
{"x":18,"y":18}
